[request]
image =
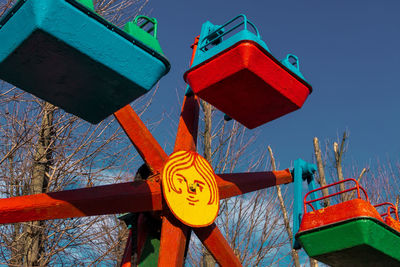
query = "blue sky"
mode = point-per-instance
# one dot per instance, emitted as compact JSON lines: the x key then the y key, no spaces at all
{"x":349,"y":52}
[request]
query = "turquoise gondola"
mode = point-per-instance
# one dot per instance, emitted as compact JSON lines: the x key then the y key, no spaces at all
{"x":234,"y":70}
{"x":66,"y":54}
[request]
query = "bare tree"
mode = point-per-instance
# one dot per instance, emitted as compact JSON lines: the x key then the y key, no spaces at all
{"x":251,"y":223}
{"x":43,"y":149}
{"x":285,"y":215}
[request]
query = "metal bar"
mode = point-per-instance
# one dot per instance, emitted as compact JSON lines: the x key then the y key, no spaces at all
{"x":357,"y":187}
{"x":327,"y":196}
{"x":234,"y":184}
{"x":174,"y":234}
{"x":108,"y":199}
{"x":172,"y":242}
{"x":136,"y":196}
{"x":186,"y":137}
{"x":219,"y":36}
{"x":127,"y":257}
{"x":216,"y":243}
{"x":146,"y":145}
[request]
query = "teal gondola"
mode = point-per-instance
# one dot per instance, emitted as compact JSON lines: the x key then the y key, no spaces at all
{"x":66,"y":54}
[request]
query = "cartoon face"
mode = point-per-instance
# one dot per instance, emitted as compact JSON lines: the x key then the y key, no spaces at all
{"x":190,"y":188}
{"x":193,"y":187}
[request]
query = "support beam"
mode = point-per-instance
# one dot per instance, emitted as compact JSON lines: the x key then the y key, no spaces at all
{"x":186,"y":137}
{"x":146,"y":145}
{"x":137,"y":196}
{"x":216,"y":243}
{"x":126,"y":259}
{"x":173,"y":242}
{"x":108,"y":199}
{"x":234,"y":184}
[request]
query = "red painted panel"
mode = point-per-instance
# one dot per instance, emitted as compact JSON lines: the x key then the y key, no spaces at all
{"x":172,"y":242}
{"x":393,"y":223}
{"x":248,"y":84}
{"x":339,"y":212}
{"x":119,"y":198}
{"x":146,"y":145}
{"x":108,"y":199}
{"x":216,"y":243}
{"x":234,"y":184}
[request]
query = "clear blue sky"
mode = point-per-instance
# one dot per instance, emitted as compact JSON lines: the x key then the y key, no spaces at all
{"x":349,"y":52}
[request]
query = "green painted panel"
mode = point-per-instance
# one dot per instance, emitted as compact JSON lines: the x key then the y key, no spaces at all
{"x":360,"y":242}
{"x":149,"y":256}
{"x":87,"y":3}
{"x":143,"y":36}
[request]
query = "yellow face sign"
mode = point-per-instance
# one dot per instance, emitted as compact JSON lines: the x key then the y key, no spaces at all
{"x":190,"y":188}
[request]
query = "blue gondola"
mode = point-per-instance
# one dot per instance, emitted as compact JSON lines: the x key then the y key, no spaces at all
{"x":66,"y":54}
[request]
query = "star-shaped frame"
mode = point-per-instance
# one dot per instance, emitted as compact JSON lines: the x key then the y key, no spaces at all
{"x":145,"y":196}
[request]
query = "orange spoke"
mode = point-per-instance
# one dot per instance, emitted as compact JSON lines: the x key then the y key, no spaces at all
{"x":173,"y":242}
{"x":107,"y":199}
{"x":144,"y":142}
{"x":234,"y":184}
{"x":186,"y":137}
{"x":216,"y":243}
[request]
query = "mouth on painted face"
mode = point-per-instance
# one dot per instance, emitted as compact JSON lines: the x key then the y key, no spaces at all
{"x":192,"y":200}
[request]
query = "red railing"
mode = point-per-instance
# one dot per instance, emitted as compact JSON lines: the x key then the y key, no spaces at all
{"x":356,"y":187}
{"x":390,"y":210}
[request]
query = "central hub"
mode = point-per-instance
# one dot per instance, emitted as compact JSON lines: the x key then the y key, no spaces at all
{"x":190,"y":188}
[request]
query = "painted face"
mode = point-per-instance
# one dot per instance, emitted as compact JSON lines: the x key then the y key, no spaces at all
{"x":190,"y":189}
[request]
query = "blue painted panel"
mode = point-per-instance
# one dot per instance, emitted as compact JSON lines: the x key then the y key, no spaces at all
{"x":62,"y":52}
{"x":292,"y":63}
{"x":302,"y":171}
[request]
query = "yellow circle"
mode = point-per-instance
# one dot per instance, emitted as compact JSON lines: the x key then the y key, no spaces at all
{"x":190,"y":188}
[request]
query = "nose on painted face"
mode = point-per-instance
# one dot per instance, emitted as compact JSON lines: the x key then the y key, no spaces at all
{"x":191,"y":188}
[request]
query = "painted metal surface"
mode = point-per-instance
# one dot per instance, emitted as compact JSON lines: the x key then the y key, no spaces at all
{"x":302,"y":171}
{"x":234,"y":184}
{"x":214,"y":241}
{"x":148,"y":240}
{"x":340,"y":212}
{"x":173,"y":242}
{"x":190,"y":188}
{"x":351,"y":233}
{"x":140,"y":196}
{"x":293,"y":64}
{"x":186,"y":137}
{"x":146,"y":145}
{"x":387,"y":215}
{"x":137,"y":196}
{"x":216,"y":38}
{"x":174,"y":234}
{"x":126,"y":258}
{"x":362,"y":241}
{"x":67,"y":55}
{"x":87,"y":3}
{"x":148,"y":37}
{"x":248,"y":84}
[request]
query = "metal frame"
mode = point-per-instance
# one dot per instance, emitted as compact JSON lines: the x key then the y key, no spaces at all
{"x":142,"y":196}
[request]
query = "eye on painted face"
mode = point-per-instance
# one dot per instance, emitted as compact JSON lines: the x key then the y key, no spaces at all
{"x":190,"y":189}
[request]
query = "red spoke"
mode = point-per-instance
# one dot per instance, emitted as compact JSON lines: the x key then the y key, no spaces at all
{"x":173,"y":242}
{"x":108,"y":199}
{"x":126,"y":260}
{"x":234,"y":184}
{"x":144,"y":142}
{"x":186,"y":137}
{"x":216,"y":243}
